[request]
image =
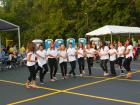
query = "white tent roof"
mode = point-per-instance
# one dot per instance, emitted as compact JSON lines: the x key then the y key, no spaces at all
{"x":113,"y":29}
{"x":7,"y":26}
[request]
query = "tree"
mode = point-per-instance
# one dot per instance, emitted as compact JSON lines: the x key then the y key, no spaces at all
{"x":68,"y":18}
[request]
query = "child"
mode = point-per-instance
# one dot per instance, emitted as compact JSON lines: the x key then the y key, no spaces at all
{"x":9,"y":61}
{"x":72,"y":59}
{"x":42,"y":63}
{"x":120,"y":56}
{"x":81,"y":55}
{"x":14,"y":59}
{"x":52,"y":54}
{"x":128,"y":58}
{"x":63,"y":61}
{"x":113,"y":53}
{"x":103,"y":53}
{"x":31,"y":62}
{"x":90,"y":54}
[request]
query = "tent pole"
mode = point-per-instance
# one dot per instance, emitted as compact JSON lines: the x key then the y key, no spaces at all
{"x":19,"y":38}
{"x":88,"y":39}
{"x":119,"y":37}
{"x":129,"y":35}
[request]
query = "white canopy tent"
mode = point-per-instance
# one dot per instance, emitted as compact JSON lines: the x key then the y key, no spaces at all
{"x":113,"y":29}
{"x":7,"y":26}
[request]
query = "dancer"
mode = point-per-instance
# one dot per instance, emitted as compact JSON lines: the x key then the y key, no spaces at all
{"x":120,"y":56}
{"x":103,"y":53}
{"x":52,"y":54}
{"x":63,"y":61}
{"x":90,"y":54}
{"x":113,"y":53}
{"x":42,"y":63}
{"x":81,"y":55}
{"x":31,"y":62}
{"x":128,"y":58}
{"x":72,"y":59}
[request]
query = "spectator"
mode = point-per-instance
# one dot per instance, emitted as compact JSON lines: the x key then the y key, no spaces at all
{"x":138,"y":48}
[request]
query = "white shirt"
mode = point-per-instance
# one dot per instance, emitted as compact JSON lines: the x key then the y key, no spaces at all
{"x":104,"y":53}
{"x":52,"y":52}
{"x":64,"y":54}
{"x":130,"y":54}
{"x":90,"y":52}
{"x":71,"y":54}
{"x":81,"y":51}
{"x":10,"y":57}
{"x":33,"y":56}
{"x":120,"y":51}
{"x":41,"y":57}
{"x":112,"y":56}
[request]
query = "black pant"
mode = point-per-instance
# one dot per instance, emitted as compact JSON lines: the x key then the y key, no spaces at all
{"x":119,"y":61}
{"x":90,"y":63}
{"x":8,"y":62}
{"x":32,"y":71}
{"x":103,"y":65}
{"x":73,"y":66}
{"x":81,"y":63}
{"x":63,"y":67}
{"x":53,"y":67}
{"x":42,"y":71}
{"x":126,"y":64}
{"x":112,"y":67}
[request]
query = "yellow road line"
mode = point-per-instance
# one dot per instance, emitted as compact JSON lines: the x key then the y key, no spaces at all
{"x":34,"y":98}
{"x":93,"y":77}
{"x":88,"y":84}
{"x":123,"y":79}
{"x":104,"y":98}
{"x":21,"y":84}
{"x":16,"y":83}
{"x":130,"y":80}
{"x":106,"y":77}
{"x":67,"y":91}
{"x":92,"y":83}
{"x":49,"y":89}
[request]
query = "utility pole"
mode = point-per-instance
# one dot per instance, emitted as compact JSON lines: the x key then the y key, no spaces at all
{"x":87,"y":28}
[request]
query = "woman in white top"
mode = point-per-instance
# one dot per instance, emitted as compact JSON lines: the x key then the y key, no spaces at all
{"x":72,"y":59}
{"x":63,"y":60}
{"x":90,"y":54}
{"x":104,"y":56}
{"x":113,"y":54}
{"x":138,"y":48}
{"x":42,"y":62}
{"x":80,"y":56}
{"x":52,"y":55}
{"x":128,"y":58}
{"x":120,"y":56}
{"x":9,"y":62}
{"x":96,"y":56}
{"x":31,"y":62}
